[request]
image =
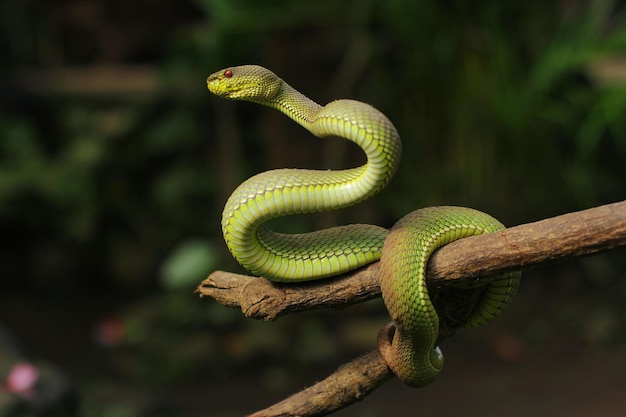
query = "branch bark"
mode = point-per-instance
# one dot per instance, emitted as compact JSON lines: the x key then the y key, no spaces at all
{"x":468,"y":261}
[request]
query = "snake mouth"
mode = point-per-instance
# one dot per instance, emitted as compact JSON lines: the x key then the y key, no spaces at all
{"x":215,"y":86}
{"x":221,"y":88}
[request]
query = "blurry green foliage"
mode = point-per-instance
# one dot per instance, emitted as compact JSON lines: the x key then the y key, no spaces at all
{"x":189,"y":261}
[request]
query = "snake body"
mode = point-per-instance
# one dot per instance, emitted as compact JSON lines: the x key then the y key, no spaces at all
{"x":409,"y":348}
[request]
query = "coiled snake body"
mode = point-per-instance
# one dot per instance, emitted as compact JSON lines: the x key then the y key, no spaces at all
{"x":410,"y":347}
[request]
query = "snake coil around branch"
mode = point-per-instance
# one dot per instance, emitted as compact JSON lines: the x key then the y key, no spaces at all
{"x":409,"y":345}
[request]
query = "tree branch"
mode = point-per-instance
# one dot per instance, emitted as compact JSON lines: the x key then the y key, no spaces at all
{"x":350,"y":383}
{"x":467,"y":260}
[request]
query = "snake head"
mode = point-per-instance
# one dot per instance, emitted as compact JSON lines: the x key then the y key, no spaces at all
{"x":246,"y":82}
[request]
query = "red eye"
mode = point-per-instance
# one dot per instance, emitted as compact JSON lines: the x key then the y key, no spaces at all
{"x":228,"y":73}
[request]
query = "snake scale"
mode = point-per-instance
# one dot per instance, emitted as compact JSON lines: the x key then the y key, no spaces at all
{"x":409,"y":346}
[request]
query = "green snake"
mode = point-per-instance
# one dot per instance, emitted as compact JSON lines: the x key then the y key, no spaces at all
{"x":409,"y":346}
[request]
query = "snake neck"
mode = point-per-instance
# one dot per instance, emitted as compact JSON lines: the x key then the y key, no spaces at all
{"x":294,"y":104}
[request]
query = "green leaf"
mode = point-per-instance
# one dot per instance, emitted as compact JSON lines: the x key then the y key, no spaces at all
{"x":188,"y":264}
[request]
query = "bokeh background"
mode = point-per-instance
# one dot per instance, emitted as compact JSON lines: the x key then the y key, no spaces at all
{"x":116,"y":162}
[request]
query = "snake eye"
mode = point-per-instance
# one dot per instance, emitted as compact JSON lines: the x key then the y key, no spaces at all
{"x":228,"y":73}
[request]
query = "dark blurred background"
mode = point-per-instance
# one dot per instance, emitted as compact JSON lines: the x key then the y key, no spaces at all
{"x":116,"y":163}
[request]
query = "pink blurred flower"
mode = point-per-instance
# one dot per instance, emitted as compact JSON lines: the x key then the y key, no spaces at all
{"x":21,"y":379}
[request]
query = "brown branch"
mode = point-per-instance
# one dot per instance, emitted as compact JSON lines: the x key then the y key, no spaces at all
{"x":350,"y":383}
{"x":267,"y":300}
{"x":467,"y":260}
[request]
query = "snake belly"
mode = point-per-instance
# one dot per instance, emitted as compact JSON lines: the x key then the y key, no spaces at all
{"x":410,"y":351}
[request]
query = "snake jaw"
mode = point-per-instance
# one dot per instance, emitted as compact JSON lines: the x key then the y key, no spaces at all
{"x":218,"y":85}
{"x":214,"y":85}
